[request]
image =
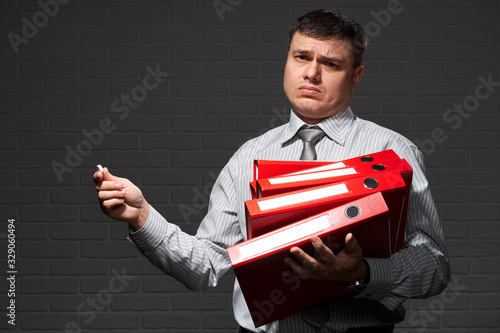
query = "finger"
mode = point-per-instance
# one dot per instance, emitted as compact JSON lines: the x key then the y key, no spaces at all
{"x":108,"y":195}
{"x":109,"y":186}
{"x":351,"y":244}
{"x":296,"y":269}
{"x":112,"y":203}
{"x":98,"y":177}
{"x":324,"y":252}
{"x":305,"y":259}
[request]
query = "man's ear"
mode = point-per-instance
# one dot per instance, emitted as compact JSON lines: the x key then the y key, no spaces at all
{"x":358,"y":73}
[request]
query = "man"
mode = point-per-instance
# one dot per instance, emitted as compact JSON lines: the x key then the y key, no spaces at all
{"x":323,"y":69}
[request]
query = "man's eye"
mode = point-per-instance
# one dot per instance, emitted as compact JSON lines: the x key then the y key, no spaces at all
{"x":301,"y":57}
{"x":330,"y":64}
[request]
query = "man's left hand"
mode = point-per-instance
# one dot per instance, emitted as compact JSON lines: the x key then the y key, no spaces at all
{"x":345,"y":266}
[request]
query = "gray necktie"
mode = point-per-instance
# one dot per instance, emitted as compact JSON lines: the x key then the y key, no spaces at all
{"x":310,"y":136}
{"x":319,"y":314}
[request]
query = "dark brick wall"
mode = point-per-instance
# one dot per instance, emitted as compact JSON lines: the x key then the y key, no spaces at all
{"x":76,"y":90}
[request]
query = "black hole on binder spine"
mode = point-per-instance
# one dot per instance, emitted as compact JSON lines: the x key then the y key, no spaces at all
{"x":378,"y":167}
{"x":352,"y":212}
{"x":366,"y":159}
{"x":371,"y":183}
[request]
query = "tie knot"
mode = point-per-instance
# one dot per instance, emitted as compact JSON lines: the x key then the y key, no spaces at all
{"x":311,"y":134}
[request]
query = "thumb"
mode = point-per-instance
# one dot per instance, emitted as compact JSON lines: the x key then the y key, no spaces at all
{"x":107,"y":175}
{"x":351,"y":244}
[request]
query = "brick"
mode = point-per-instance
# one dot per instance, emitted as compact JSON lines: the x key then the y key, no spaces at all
{"x":459,"y":265}
{"x":140,"y":302}
{"x":32,"y":302}
{"x":439,"y":88}
{"x":81,"y":16}
{"x":277,"y":34}
{"x":171,"y":105}
{"x":266,"y":88}
{"x":78,"y":52}
{"x":200,"y":124}
{"x":78,"y":231}
{"x":170,"y":177}
{"x":217,"y":52}
{"x":24,"y":88}
{"x":230,"y":106}
{"x":465,"y":70}
{"x":451,"y":193}
{"x":204,"y":159}
{"x":100,"y":284}
{"x":485,"y":230}
{"x":170,"y":34}
{"x":9,"y":142}
{"x":202,"y":88}
{"x":30,"y":52}
{"x":134,"y":268}
{"x":109,"y":70}
{"x":487,"y":265}
{"x":483,"y":301}
{"x":51,"y":34}
{"x":8,"y":71}
{"x":49,"y":285}
{"x":410,"y":34}
{"x":220,"y":141}
{"x":35,"y":213}
{"x":417,"y":105}
{"x":468,"y":176}
{"x":200,"y":302}
{"x":219,"y":319}
{"x":68,"y":302}
{"x":410,"y":70}
{"x":384,"y":52}
{"x":109,"y":35}
{"x":483,"y":17}
{"x":50,"y":141}
{"x":9,"y":177}
{"x":170,"y":141}
{"x":110,"y":320}
{"x":68,"y":195}
{"x":143,"y":16}
{"x":472,"y":319}
{"x":170,"y":319}
{"x":438,"y":16}
{"x":484,"y":123}
{"x":437,"y":52}
{"x":49,"y":106}
{"x":18,"y":159}
{"x":48,"y":71}
{"x":270,"y":70}
{"x":467,"y":4}
{"x":107,"y":250}
{"x":482,"y":248}
{"x":233,"y":35}
{"x":55,"y":250}
{"x":469,"y":34}
{"x":139,"y":52}
{"x":68,"y":267}
{"x":46,"y":321}
{"x":262,"y":52}
{"x":195,"y":16}
{"x":81,"y":88}
{"x":383,"y":88}
{"x":9,"y":106}
{"x":25,"y":195}
{"x":260,"y":16}
{"x":176,"y":70}
{"x":230,"y":70}
{"x":110,"y":3}
{"x":139,"y":159}
{"x":251,"y":124}
{"x":489,"y":212}
{"x":31,"y":231}
{"x":101,"y":106}
{"x":484,"y":158}
{"x":22,"y":124}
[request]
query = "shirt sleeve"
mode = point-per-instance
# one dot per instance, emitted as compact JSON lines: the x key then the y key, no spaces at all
{"x":196,"y":261}
{"x":421,"y":268}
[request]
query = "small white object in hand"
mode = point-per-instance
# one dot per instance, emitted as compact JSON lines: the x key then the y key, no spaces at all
{"x":100,"y":167}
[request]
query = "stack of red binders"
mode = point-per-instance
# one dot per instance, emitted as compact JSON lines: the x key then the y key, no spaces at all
{"x":294,"y":200}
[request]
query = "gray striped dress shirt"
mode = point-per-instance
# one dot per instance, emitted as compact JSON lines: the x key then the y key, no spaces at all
{"x":419,"y":270}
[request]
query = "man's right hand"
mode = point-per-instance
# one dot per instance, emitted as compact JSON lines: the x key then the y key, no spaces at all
{"x":120,"y":199}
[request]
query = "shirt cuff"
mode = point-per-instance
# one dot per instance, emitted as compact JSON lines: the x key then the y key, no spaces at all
{"x":151,"y":234}
{"x":380,"y":279}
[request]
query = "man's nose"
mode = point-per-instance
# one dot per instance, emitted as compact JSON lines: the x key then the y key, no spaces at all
{"x":312,"y":72}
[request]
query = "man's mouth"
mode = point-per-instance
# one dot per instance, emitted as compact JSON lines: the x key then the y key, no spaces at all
{"x":309,"y":90}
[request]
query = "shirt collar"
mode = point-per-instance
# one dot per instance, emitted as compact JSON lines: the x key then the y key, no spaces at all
{"x":335,"y":127}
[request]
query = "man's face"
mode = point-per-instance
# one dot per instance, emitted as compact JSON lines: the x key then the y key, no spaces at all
{"x":319,"y":77}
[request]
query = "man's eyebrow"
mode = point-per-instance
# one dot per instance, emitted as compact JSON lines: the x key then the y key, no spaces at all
{"x":322,"y":57}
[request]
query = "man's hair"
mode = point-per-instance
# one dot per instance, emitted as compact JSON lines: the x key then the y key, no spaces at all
{"x":331,"y":24}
